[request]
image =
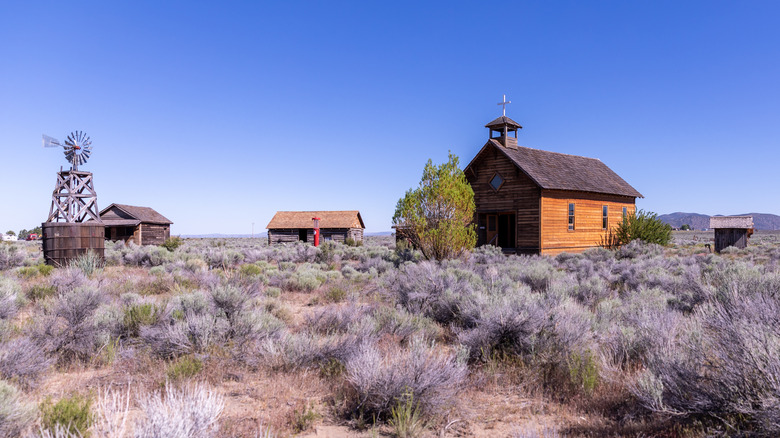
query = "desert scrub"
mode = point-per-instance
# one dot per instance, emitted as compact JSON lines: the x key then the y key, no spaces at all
{"x":139,"y":314}
{"x":9,"y":292}
{"x":89,"y":263}
{"x":15,"y":414}
{"x":304,"y":419}
{"x":405,"y":417}
{"x":10,"y":256}
{"x":39,"y":291}
{"x":172,"y":243}
{"x":72,"y":414}
{"x":22,"y":362}
{"x":68,"y":327}
{"x":379,"y":379}
{"x":191,"y":411}
{"x":35,"y":271}
{"x":183,"y":368}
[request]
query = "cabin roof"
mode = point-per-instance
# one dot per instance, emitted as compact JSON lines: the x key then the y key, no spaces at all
{"x":556,"y":171}
{"x":328,"y":219}
{"x":501,"y":121}
{"x":731,"y":222}
{"x":134,"y":215}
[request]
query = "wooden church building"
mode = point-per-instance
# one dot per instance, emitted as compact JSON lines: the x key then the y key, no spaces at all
{"x":294,"y":226}
{"x":531,"y":201}
{"x":141,"y":225}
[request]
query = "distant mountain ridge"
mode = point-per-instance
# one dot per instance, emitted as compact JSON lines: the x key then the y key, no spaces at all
{"x":697,"y":221}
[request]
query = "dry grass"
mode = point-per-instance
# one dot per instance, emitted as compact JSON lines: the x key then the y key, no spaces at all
{"x":518,"y":389}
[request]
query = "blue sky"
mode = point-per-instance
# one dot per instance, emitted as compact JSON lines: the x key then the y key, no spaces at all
{"x":218,"y":114}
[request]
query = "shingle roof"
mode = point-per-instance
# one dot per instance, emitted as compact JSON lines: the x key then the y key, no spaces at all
{"x":556,"y":171}
{"x":501,"y":121}
{"x":141,"y":214}
{"x":731,"y":222}
{"x":328,"y":219}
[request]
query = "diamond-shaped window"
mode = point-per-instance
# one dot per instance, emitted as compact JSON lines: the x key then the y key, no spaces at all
{"x":496,"y":181}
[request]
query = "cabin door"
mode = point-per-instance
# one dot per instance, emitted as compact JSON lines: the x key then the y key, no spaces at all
{"x":492,"y":229}
{"x":303,"y":234}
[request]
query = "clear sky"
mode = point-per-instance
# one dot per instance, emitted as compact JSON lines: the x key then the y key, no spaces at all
{"x":218,"y":114}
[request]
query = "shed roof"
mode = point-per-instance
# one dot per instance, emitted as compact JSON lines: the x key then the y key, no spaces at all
{"x":731,"y":222}
{"x":328,"y":219}
{"x":556,"y":171}
{"x":138,"y":214}
{"x":501,"y":121}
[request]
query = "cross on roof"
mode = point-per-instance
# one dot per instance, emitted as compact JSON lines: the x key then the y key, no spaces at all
{"x":504,"y":103}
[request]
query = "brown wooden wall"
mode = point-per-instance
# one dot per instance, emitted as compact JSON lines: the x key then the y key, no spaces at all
{"x":588,"y":231}
{"x":519,"y":195}
{"x":334,"y":234}
{"x":154,"y":234}
{"x":725,"y":237}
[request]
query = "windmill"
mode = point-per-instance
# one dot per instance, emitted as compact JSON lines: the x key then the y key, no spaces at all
{"x":74,"y":199}
{"x":73,"y":227}
{"x":78,"y":147}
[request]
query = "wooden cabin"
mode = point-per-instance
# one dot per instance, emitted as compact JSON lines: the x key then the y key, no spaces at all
{"x":141,"y":225}
{"x":731,"y":231}
{"x":294,"y":226}
{"x":531,"y":201}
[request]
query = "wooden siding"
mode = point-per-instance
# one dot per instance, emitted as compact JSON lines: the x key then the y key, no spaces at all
{"x":588,"y":232}
{"x":153,"y":234}
{"x":518,"y":195}
{"x":736,"y":237}
{"x":289,"y":235}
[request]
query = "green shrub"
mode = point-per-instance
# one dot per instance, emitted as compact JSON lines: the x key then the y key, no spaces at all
{"x":250,"y":270}
{"x":34,"y":271}
{"x":137,"y":315}
{"x":305,"y":419}
{"x":172,"y":243}
{"x":583,"y":371}
{"x":405,"y":417}
{"x":642,"y":225}
{"x":73,"y":414}
{"x":352,"y":242}
{"x":184,"y":368}
{"x":40,"y":291}
{"x":88,"y":263}
{"x":335,"y":294}
{"x":438,"y":216}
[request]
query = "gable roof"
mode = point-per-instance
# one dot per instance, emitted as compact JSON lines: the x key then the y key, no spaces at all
{"x":131,"y":215}
{"x":501,"y":121}
{"x":328,"y":219}
{"x":556,"y":171}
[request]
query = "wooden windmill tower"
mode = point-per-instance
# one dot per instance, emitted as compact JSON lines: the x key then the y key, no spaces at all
{"x":73,"y":226}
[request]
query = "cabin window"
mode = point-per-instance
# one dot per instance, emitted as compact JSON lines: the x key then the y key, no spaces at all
{"x":496,"y":182}
{"x":571,"y":216}
{"x":625,"y":212}
{"x":604,"y":217}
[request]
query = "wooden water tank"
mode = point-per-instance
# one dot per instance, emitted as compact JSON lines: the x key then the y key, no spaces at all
{"x":65,"y":241}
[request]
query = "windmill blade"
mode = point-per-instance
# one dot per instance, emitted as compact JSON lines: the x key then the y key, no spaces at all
{"x":50,"y":142}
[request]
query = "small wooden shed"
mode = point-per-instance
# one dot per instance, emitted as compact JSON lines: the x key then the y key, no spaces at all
{"x":731,"y":231}
{"x":141,"y":225}
{"x":294,"y":226}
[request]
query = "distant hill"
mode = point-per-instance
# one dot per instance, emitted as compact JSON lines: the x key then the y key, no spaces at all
{"x":697,"y":221}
